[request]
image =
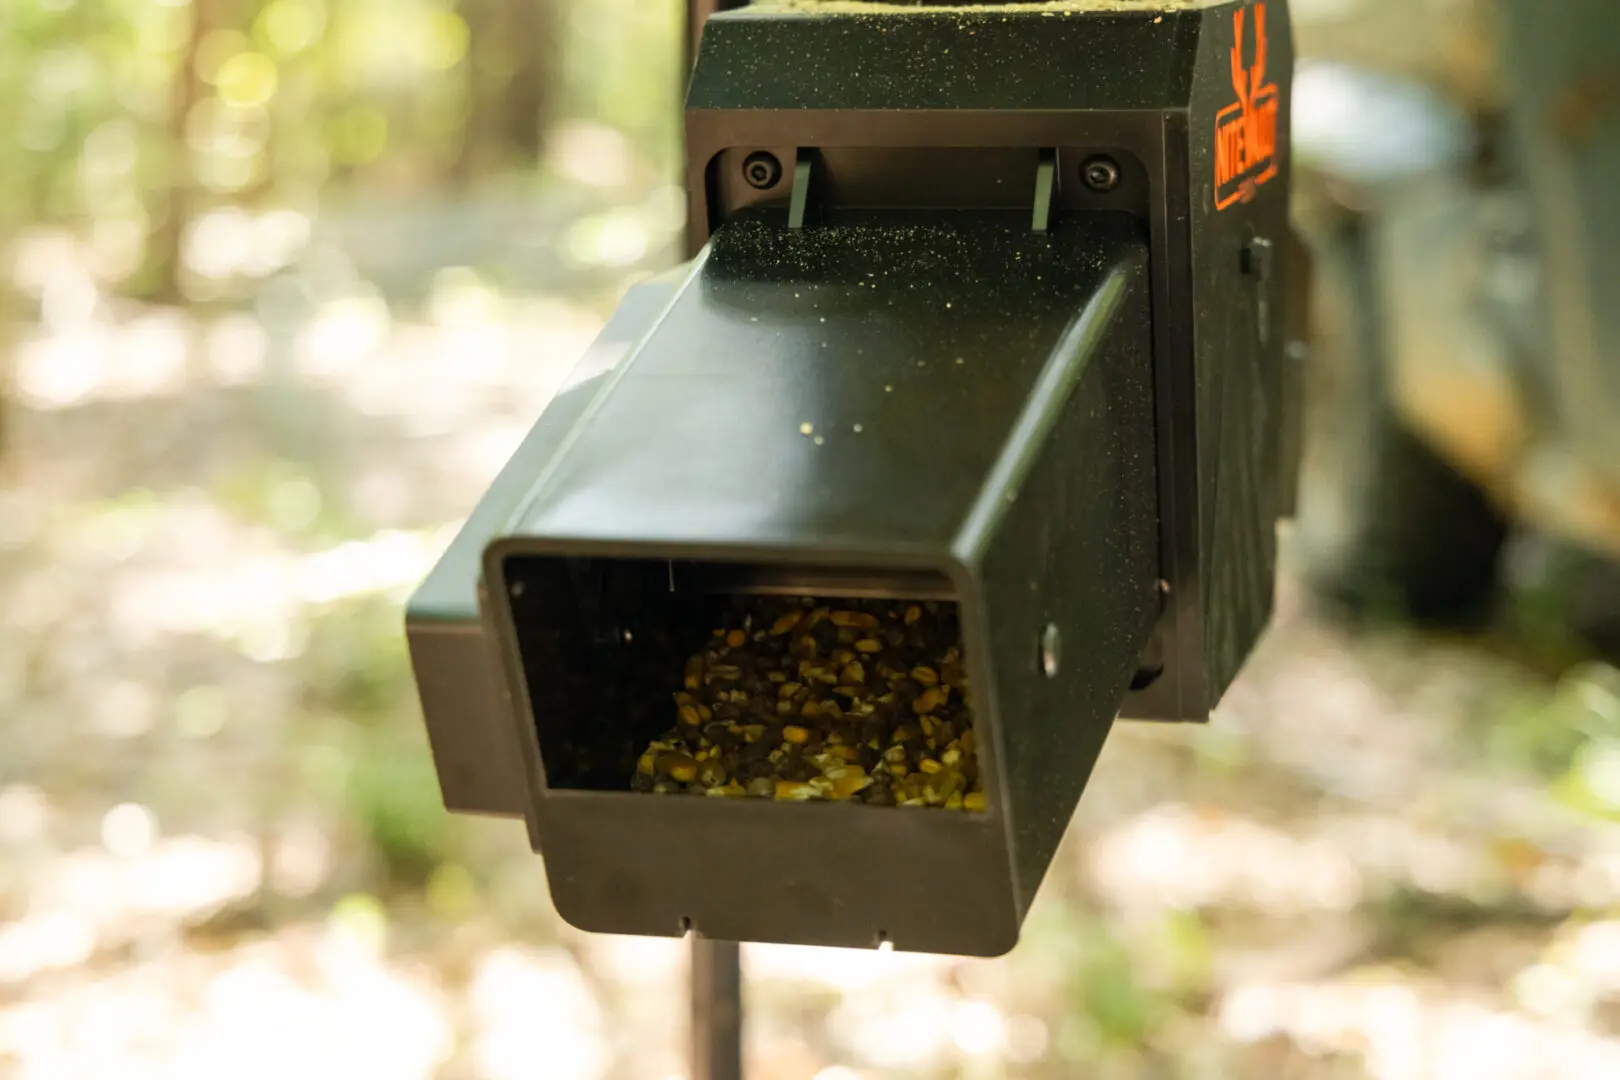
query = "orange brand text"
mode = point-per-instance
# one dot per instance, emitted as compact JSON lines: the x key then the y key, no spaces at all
{"x":1246,"y":131}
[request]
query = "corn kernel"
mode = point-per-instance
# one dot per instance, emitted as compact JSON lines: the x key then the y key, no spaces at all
{"x":954,"y":802}
{"x":913,"y":613}
{"x":897,"y":769}
{"x":791,"y":789}
{"x":852,"y":673}
{"x":925,"y":675}
{"x":788,"y":689}
{"x":858,"y":619}
{"x":784,"y":624}
{"x":795,"y":734}
{"x":646,"y":765}
{"x":973,"y":800}
{"x":928,"y":700}
{"x":869,"y":645}
{"x":736,"y":639}
{"x":929,"y":765}
{"x":951,"y":756}
{"x":690,"y":715}
{"x":852,"y":781}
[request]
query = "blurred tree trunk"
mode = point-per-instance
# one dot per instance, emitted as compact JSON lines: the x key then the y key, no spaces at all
{"x":187,"y":90}
{"x":511,"y":63}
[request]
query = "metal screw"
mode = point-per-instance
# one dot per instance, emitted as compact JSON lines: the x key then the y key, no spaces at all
{"x":762,"y":170}
{"x":1051,"y":650}
{"x":1100,"y":173}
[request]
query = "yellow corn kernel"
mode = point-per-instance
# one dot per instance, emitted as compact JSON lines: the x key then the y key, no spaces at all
{"x":847,"y":753}
{"x":784,"y":624}
{"x":897,"y":769}
{"x":852,"y":673}
{"x":793,"y":733}
{"x":951,"y":756}
{"x":954,"y":802}
{"x":736,"y":639}
{"x":913,"y":613}
{"x":646,"y":765}
{"x":690,"y":715}
{"x":790,"y":789}
{"x":973,"y":800}
{"x":928,"y":700}
{"x":929,"y":765}
{"x":859,"y":619}
{"x":869,"y":645}
{"x":848,"y":784}
{"x":925,"y":675}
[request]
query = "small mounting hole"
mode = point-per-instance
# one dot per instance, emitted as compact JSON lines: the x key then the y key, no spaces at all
{"x":686,"y":926}
{"x":883,"y":943}
{"x":1051,"y":650}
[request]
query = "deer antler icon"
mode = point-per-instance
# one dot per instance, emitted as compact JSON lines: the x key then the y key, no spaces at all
{"x":1247,"y":80}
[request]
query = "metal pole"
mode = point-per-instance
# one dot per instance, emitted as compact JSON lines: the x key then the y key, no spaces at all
{"x":716,"y":1010}
{"x":716,"y":965}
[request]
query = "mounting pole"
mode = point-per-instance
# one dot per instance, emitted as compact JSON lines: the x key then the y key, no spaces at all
{"x":716,"y":965}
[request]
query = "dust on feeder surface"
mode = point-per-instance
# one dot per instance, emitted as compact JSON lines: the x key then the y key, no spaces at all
{"x":799,"y":698}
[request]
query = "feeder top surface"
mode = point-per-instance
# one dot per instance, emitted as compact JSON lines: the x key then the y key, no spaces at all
{"x":982,"y":7}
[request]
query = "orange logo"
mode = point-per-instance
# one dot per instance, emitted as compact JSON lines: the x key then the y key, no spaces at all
{"x":1246,"y":133}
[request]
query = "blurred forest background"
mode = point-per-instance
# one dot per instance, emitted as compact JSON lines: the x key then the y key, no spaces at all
{"x":285,"y":282}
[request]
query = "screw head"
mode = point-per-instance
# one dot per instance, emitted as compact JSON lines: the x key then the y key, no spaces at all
{"x":1100,"y":173}
{"x":1051,"y":650}
{"x":762,"y":170}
